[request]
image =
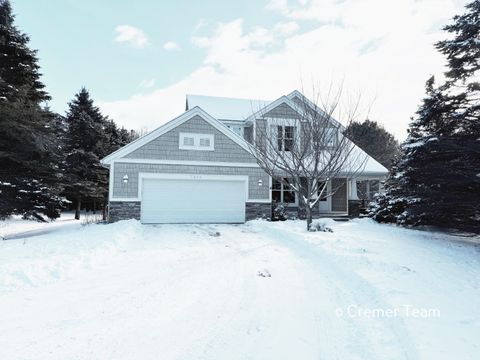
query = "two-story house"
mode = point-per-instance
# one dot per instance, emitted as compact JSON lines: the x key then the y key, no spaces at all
{"x":199,"y":167}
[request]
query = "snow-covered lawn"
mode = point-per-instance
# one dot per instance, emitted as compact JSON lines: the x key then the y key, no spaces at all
{"x":255,"y":291}
{"x":16,"y":225}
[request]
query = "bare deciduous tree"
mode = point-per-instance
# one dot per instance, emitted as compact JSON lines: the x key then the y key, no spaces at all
{"x":305,"y":149}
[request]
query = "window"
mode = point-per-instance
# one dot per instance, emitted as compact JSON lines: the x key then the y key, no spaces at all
{"x":330,"y":137}
{"x":282,"y":192}
{"x":324,"y":193}
{"x":366,"y":189}
{"x":205,"y":142}
{"x":288,"y":139}
{"x":285,"y":137}
{"x":236,"y":129}
{"x":190,"y":141}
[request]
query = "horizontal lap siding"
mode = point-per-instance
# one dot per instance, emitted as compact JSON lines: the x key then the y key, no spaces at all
{"x":166,"y":146}
{"x":130,"y":190}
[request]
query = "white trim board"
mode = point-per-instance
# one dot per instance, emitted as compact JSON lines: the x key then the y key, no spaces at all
{"x":271,"y":106}
{"x":147,"y":175}
{"x":196,"y":111}
{"x":186,"y":162}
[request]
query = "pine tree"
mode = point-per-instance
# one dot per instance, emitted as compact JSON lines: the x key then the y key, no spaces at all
{"x":86,"y":142}
{"x":29,"y":171}
{"x":437,"y":178}
{"x":117,"y":137}
{"x":375,"y":140}
{"x":19,"y":72}
{"x":89,"y":137}
{"x":463,"y":51}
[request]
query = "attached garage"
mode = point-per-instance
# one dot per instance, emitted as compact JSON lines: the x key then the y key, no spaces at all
{"x":173,"y":198}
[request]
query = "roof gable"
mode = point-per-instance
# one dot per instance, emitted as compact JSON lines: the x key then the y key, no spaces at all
{"x":196,"y":111}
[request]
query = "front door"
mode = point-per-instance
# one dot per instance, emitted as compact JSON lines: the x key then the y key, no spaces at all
{"x":339,"y":198}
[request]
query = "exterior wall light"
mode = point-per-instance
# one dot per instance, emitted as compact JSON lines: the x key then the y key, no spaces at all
{"x":125,"y":179}
{"x":260,"y":182}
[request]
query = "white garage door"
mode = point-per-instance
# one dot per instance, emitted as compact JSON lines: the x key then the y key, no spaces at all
{"x":193,"y":201}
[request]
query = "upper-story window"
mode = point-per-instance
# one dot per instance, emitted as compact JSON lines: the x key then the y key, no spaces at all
{"x":330,"y":137}
{"x":188,"y":141}
{"x":236,"y":129}
{"x":327,"y":137}
{"x":285,"y":137}
{"x":191,"y":141}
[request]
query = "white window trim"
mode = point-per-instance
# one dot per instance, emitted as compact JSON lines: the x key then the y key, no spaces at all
{"x":196,"y":141}
{"x":282,"y":190}
{"x":241,"y":127}
{"x":332,"y":138}
{"x":296,"y":123}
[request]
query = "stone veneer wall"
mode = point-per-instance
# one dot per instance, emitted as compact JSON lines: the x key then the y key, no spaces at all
{"x":123,"y":210}
{"x":355,"y":208}
{"x":295,"y":212}
{"x":258,"y":211}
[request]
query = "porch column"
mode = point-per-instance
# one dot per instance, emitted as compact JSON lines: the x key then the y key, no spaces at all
{"x":353,"y":189}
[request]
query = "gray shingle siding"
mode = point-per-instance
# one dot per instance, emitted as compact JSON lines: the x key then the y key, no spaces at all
{"x":166,"y":146}
{"x":130,"y":190}
{"x":282,"y":111}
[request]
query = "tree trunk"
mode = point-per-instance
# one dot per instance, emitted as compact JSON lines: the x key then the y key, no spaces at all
{"x":308,"y":209}
{"x":94,"y":206}
{"x":308,"y":213}
{"x":104,"y":212}
{"x":79,"y":208}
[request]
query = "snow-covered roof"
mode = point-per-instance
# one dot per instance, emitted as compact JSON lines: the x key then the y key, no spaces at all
{"x":223,"y":108}
{"x":372,"y":166}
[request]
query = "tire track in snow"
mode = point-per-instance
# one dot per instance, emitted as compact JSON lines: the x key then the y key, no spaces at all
{"x":350,"y":289}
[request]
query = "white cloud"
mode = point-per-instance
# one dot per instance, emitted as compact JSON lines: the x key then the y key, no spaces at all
{"x":384,"y":51}
{"x":147,"y":84}
{"x":286,"y":28}
{"x":200,"y":25}
{"x":171,"y":46}
{"x":278,"y":5}
{"x":131,"y":35}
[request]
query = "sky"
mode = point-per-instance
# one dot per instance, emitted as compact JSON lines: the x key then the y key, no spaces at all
{"x":140,"y":58}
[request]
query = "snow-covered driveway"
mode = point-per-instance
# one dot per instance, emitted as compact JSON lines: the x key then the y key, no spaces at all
{"x":255,"y":291}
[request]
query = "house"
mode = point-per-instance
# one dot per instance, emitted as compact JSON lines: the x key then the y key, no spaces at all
{"x":199,"y":168}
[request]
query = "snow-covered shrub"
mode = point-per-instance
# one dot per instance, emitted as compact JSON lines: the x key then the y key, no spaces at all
{"x":279,"y":212}
{"x":320,"y":225}
{"x":302,"y":214}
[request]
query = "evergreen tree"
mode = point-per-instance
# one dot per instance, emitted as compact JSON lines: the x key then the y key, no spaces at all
{"x":117,"y":137}
{"x":19,"y":72}
{"x":29,"y":171}
{"x":89,"y":137}
{"x":375,"y":140}
{"x":463,"y":51}
{"x":86,"y":142}
{"x":437,"y":179}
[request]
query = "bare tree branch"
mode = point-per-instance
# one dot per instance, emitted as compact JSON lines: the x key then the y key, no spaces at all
{"x":306,"y":148}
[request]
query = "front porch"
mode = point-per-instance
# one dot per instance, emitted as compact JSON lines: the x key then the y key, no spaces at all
{"x":343,"y":197}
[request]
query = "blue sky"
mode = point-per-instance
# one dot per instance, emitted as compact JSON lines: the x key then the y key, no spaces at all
{"x":140,"y":58}
{"x":76,"y":41}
